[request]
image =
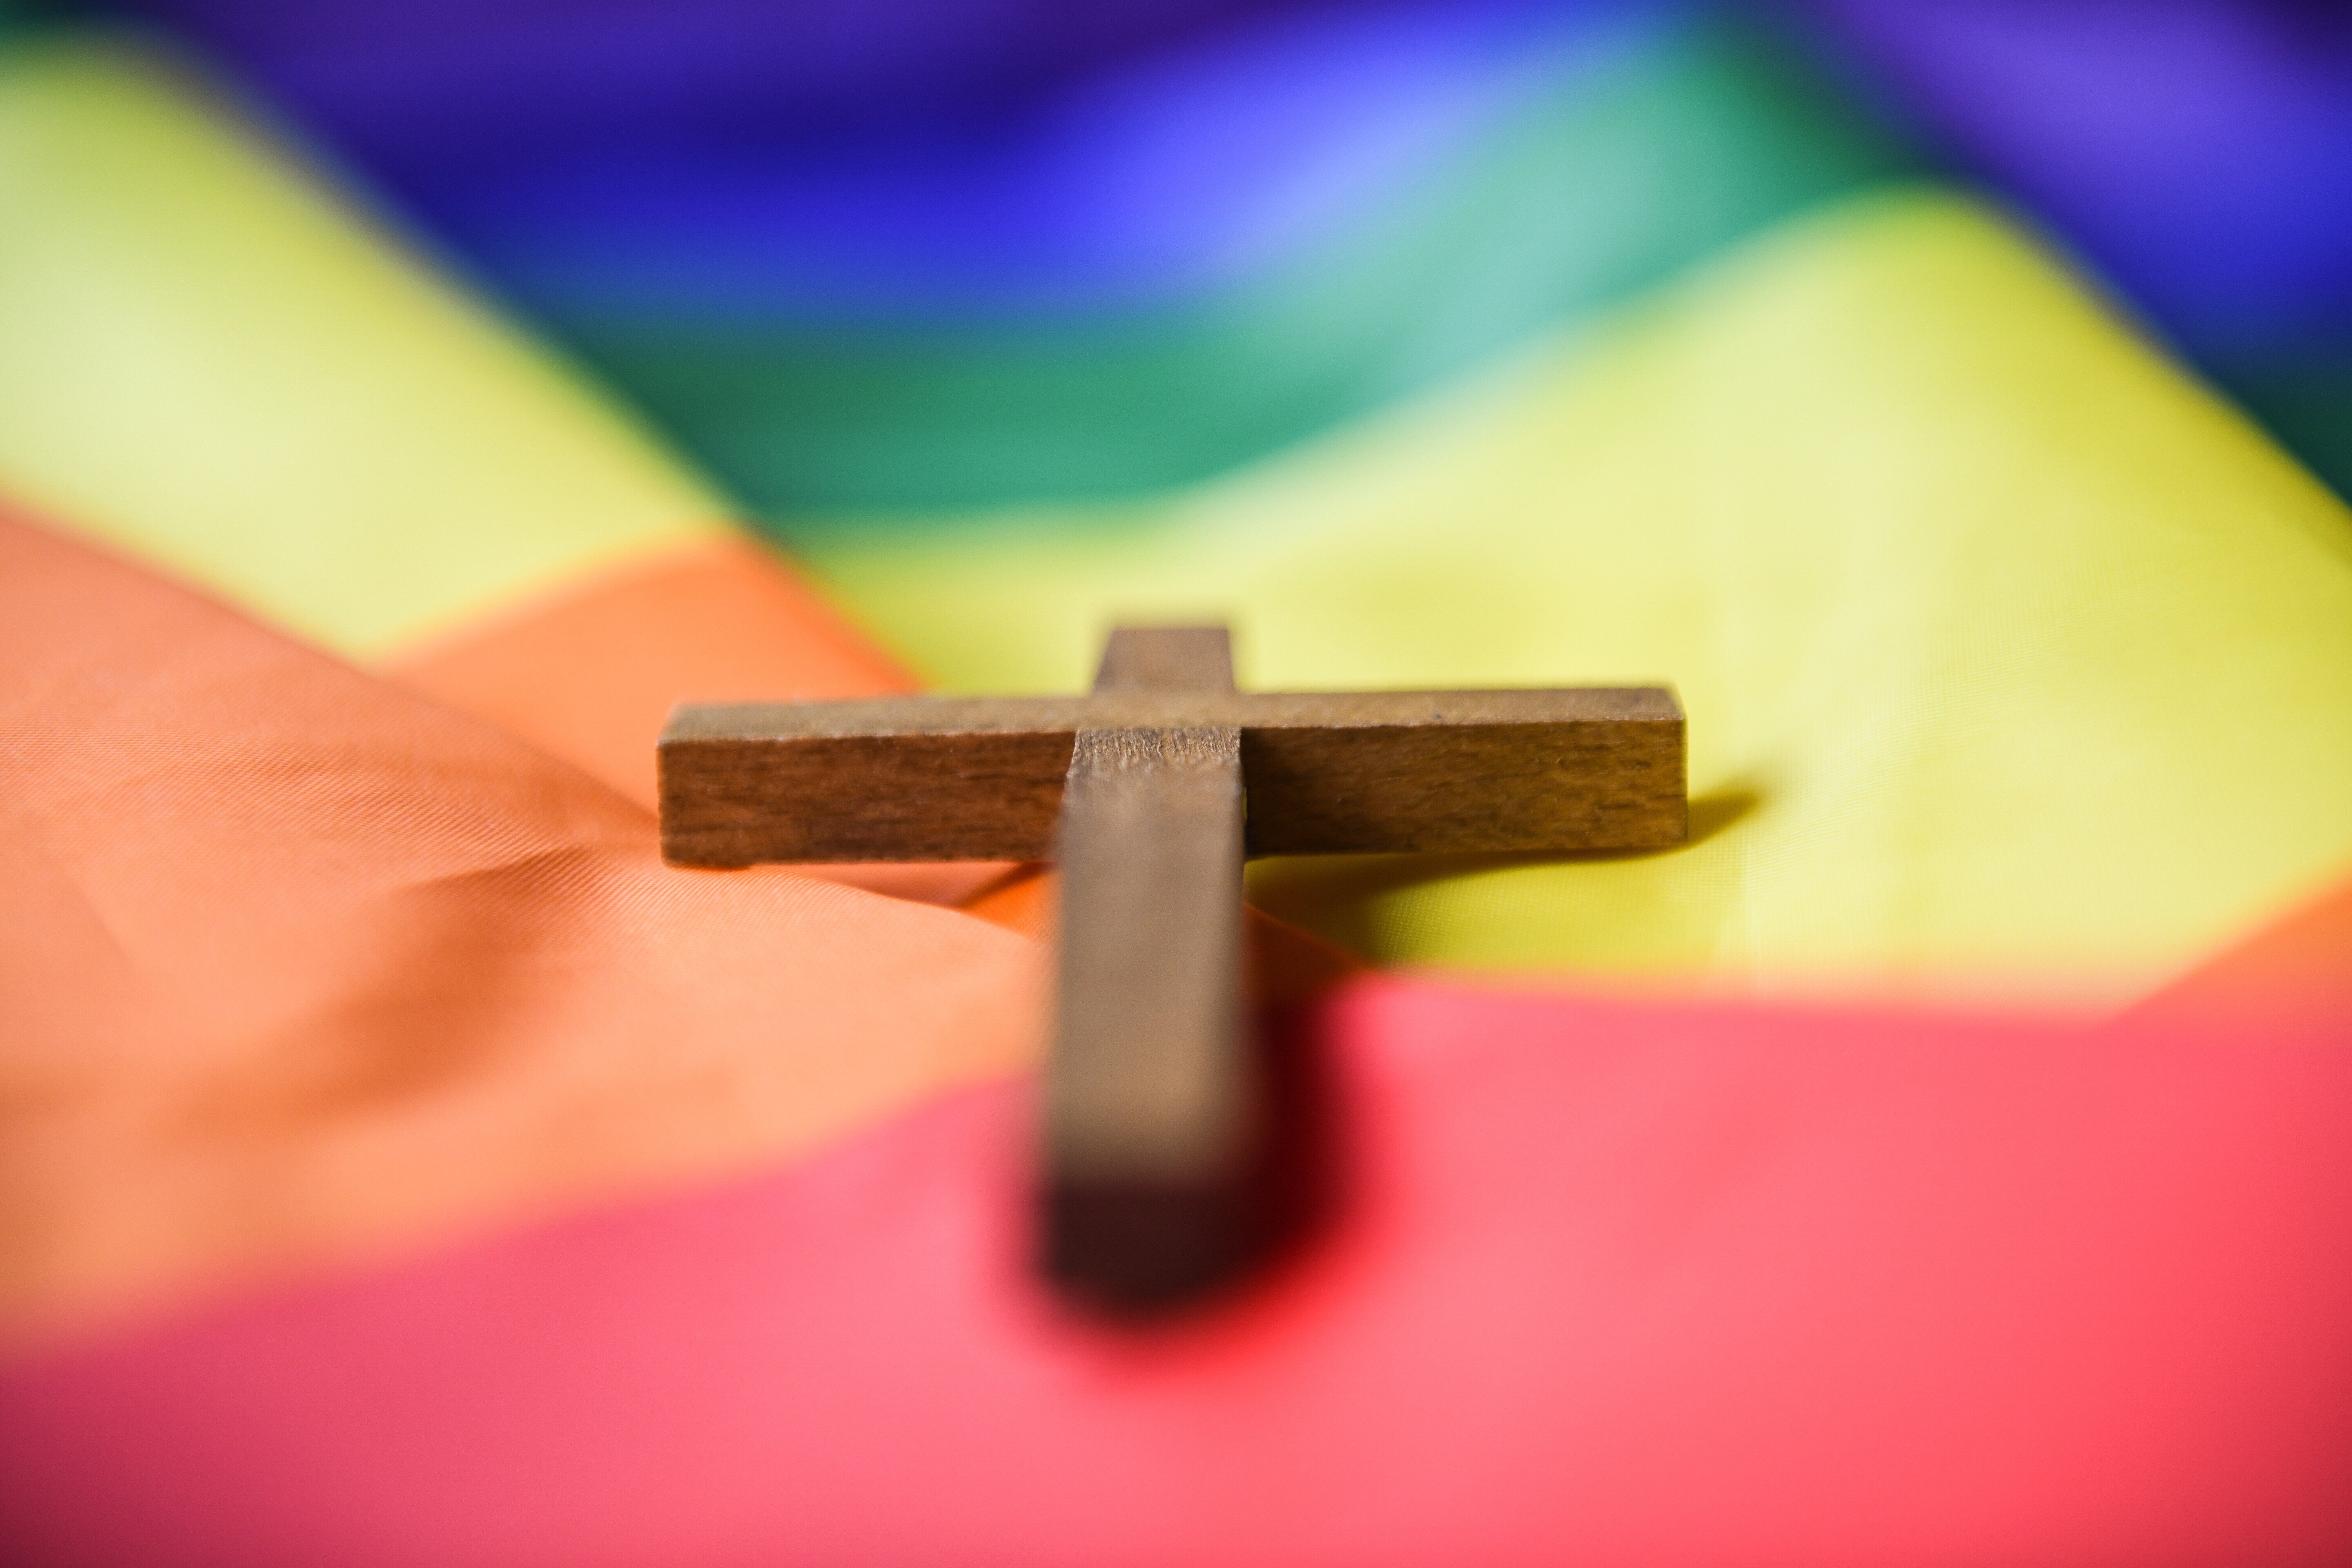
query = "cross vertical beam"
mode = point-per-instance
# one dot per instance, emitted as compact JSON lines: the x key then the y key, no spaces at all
{"x":1153,"y":1116}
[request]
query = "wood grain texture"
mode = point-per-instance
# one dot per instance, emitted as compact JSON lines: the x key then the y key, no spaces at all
{"x":1142,"y":1083}
{"x":940,"y":778}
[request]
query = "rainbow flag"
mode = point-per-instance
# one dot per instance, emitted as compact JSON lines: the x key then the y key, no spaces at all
{"x":1945,"y":1156}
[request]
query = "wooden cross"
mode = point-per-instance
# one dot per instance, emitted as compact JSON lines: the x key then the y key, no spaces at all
{"x":1149,"y":793}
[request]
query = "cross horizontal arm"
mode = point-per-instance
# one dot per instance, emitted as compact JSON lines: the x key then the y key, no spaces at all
{"x":945,"y":778}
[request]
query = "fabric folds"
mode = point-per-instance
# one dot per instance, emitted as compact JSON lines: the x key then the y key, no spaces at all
{"x":301,"y":967}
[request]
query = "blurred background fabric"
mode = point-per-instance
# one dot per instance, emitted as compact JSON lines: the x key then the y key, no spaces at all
{"x":1940,"y":1157}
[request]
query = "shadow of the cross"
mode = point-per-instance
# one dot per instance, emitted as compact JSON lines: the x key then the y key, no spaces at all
{"x":1344,"y":891}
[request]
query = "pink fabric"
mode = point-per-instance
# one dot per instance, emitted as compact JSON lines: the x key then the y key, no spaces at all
{"x":1612,"y":1284}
